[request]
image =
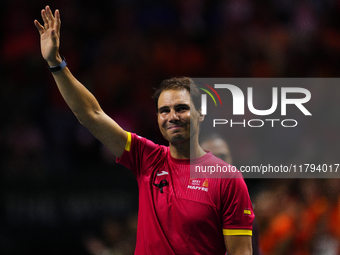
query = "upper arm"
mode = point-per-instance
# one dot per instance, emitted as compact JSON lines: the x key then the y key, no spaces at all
{"x":107,"y":131}
{"x":238,"y":217}
{"x":238,"y":245}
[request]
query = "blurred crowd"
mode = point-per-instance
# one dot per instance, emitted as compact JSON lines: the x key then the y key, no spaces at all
{"x":121,"y":50}
{"x":299,"y":217}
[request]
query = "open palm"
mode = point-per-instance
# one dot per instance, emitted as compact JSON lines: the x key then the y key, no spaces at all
{"x":49,"y":35}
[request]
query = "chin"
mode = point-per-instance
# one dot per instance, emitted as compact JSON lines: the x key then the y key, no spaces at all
{"x":175,"y":139}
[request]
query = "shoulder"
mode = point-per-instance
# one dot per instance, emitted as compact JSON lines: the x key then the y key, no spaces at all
{"x":142,"y":143}
{"x":142,"y":154}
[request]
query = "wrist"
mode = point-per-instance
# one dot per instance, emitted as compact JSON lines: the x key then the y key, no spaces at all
{"x":58,"y":65}
{"x":54,"y":62}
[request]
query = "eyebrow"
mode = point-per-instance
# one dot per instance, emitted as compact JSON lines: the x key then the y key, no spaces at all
{"x":177,"y":105}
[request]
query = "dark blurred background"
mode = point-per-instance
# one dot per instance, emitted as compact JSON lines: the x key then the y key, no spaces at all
{"x":61,"y":190}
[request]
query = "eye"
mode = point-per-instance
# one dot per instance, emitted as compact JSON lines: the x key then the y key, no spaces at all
{"x":182,"y":108}
{"x":164,"y":111}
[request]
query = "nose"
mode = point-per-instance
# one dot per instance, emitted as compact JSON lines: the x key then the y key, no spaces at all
{"x":173,"y":115}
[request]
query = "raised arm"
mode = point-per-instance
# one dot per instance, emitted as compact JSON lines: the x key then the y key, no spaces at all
{"x":81,"y":101}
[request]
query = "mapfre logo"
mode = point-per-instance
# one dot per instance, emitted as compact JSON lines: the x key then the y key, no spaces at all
{"x":196,"y":184}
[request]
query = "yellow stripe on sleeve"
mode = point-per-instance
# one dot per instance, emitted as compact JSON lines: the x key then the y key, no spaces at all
{"x":237,"y":232}
{"x":247,"y":212}
{"x":128,"y":142}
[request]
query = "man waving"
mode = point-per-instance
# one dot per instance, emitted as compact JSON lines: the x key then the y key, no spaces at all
{"x":177,"y":214}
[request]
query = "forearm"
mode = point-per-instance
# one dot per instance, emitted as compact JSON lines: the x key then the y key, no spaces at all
{"x":81,"y":101}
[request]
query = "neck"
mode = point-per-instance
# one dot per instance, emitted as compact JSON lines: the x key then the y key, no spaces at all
{"x":187,"y":150}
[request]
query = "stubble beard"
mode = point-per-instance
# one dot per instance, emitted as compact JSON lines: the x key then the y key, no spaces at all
{"x":175,"y":138}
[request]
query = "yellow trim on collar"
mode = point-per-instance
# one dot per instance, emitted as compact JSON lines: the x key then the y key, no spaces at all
{"x":237,"y":232}
{"x":128,"y":142}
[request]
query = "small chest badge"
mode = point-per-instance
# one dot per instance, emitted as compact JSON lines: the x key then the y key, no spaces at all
{"x":197,"y":184}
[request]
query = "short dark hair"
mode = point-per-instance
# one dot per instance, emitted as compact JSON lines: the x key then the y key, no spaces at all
{"x":180,"y":83}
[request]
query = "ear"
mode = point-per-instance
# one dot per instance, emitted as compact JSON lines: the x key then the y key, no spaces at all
{"x":200,"y":115}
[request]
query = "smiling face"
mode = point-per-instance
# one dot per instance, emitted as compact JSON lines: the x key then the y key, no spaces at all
{"x":175,"y":112}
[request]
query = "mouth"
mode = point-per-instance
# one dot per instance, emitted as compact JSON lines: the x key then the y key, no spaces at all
{"x":173,"y":127}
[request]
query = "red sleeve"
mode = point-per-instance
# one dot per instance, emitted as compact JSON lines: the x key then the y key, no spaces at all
{"x":237,"y":209}
{"x":141,"y":155}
